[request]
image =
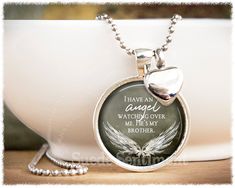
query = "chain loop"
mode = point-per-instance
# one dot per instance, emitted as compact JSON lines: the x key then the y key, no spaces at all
{"x":70,"y":168}
{"x":122,"y":44}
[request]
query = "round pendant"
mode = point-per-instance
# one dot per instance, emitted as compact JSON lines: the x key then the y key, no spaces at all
{"x":137,"y":132}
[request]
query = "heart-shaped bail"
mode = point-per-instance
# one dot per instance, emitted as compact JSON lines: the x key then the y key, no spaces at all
{"x":163,"y":83}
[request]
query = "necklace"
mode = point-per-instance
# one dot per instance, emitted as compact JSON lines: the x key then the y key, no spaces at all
{"x":70,"y":168}
{"x":142,"y":123}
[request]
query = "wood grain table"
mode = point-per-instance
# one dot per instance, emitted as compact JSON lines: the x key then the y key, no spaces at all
{"x":209,"y":172}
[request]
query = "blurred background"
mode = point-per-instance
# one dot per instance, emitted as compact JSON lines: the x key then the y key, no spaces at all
{"x":120,"y":11}
{"x":17,"y":135}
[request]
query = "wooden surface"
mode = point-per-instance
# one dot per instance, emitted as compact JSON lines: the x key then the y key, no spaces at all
{"x":211,"y":172}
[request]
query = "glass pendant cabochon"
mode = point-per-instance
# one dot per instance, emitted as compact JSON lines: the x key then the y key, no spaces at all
{"x":136,"y":129}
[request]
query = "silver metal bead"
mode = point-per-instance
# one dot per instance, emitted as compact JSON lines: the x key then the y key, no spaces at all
{"x":54,"y":172}
{"x":78,"y":166}
{"x":65,"y":172}
{"x":67,"y":165}
{"x":130,"y":52}
{"x":178,"y":17}
{"x":43,"y":171}
{"x":72,"y":172}
{"x":73,"y":166}
{"x":171,"y":29}
{"x":34,"y":171}
{"x":168,"y":38}
{"x":123,"y":46}
{"x":105,"y":16}
{"x":109,"y":20}
{"x":98,"y":17}
{"x":46,"y":172}
{"x":80,"y":171}
{"x":174,"y":21}
{"x":85,"y":169}
{"x":40,"y":171}
{"x":164,"y":47}
{"x":117,"y":36}
{"x":114,"y":27}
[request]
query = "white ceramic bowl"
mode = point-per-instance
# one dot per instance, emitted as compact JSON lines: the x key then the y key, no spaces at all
{"x":55,"y":71}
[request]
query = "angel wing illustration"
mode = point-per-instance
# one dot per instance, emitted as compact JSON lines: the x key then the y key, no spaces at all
{"x":154,"y":146}
{"x":121,"y":141}
{"x":161,"y":142}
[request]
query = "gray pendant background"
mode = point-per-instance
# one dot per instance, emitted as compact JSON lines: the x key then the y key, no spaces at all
{"x":115,"y":105}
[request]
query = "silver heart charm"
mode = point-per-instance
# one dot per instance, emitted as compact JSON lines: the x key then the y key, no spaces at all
{"x":164,"y":84}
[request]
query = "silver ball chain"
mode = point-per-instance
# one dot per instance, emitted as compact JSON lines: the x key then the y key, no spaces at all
{"x":71,"y":168}
{"x":130,"y":51}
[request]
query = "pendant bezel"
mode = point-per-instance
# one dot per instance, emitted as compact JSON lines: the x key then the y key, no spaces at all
{"x":124,"y":165}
